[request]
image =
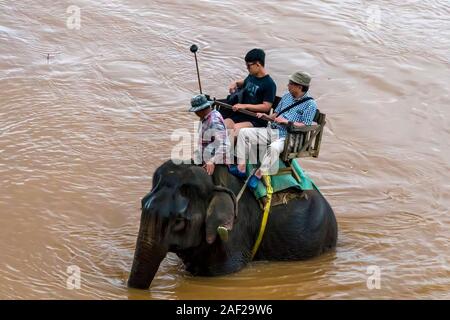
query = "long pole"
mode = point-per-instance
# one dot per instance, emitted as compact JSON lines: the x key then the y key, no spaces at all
{"x":247,"y":112}
{"x":194,"y":49}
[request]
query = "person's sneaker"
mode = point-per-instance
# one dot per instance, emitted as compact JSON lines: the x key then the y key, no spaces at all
{"x":233,"y":169}
{"x":253,"y":182}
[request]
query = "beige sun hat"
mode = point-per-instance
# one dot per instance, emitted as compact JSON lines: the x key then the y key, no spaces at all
{"x":301,"y":77}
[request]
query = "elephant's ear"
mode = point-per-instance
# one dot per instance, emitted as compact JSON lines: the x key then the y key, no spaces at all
{"x":222,"y":211}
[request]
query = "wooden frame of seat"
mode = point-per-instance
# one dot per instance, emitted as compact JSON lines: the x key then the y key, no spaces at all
{"x":304,"y":141}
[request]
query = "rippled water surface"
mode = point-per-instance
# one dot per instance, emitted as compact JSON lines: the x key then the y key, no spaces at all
{"x":86,"y":117}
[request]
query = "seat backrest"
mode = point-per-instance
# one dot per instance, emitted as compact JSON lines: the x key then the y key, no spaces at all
{"x":276,"y":102}
{"x":317,"y":116}
{"x":304,"y":141}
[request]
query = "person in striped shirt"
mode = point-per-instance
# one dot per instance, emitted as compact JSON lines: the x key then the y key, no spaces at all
{"x":213,"y":145}
{"x":213,"y":153}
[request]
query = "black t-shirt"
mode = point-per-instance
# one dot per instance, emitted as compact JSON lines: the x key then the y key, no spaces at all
{"x":258,"y":90}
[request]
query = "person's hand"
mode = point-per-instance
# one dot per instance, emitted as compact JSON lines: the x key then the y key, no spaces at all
{"x":209,"y":167}
{"x":238,"y":106}
{"x":281,"y":120}
{"x":232,"y":87}
{"x":265,"y":116}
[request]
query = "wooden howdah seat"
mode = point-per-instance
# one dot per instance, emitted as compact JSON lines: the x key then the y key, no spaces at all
{"x":304,"y":141}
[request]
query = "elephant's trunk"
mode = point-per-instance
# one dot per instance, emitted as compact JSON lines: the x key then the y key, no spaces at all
{"x":147,"y":258}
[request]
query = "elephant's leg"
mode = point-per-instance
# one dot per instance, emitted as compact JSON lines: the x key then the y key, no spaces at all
{"x":221,"y":176}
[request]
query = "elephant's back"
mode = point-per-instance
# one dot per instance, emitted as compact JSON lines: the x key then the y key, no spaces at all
{"x":304,"y":227}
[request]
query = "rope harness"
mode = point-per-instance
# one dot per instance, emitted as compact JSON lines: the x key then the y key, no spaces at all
{"x":262,"y":228}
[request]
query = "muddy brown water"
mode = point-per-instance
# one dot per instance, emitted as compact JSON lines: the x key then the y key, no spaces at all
{"x":86,"y":116}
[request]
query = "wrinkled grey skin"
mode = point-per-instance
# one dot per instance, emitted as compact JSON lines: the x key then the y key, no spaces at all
{"x":184,"y":208}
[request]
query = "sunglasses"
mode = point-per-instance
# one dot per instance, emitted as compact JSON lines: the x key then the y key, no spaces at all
{"x":249,"y":64}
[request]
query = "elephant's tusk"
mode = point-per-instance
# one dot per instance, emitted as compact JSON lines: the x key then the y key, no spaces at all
{"x":223,"y":233}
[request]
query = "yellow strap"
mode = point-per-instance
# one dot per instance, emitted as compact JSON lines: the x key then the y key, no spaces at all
{"x":265,"y":215}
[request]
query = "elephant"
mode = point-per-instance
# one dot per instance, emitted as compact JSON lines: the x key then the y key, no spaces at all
{"x":185,"y":207}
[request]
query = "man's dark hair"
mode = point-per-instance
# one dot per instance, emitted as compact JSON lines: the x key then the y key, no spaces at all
{"x":305,"y":88}
{"x":256,"y":55}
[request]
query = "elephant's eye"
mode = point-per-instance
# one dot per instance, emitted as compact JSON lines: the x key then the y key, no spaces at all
{"x":187,"y":190}
{"x":180,"y":224}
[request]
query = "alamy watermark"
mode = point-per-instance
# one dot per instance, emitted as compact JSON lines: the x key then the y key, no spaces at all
{"x":373,"y":19}
{"x":371,"y":22}
{"x":73,"y":22}
{"x":374,"y":278}
{"x":73,"y":277}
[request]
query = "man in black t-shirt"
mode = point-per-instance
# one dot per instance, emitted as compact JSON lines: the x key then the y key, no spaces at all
{"x":259,"y":92}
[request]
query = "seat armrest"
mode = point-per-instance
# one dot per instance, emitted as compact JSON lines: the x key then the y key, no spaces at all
{"x":294,"y":129}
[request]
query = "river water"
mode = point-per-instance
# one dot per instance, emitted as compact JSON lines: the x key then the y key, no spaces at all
{"x":86,"y":116}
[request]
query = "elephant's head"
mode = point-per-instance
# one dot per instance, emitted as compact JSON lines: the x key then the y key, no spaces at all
{"x":182,"y":211}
